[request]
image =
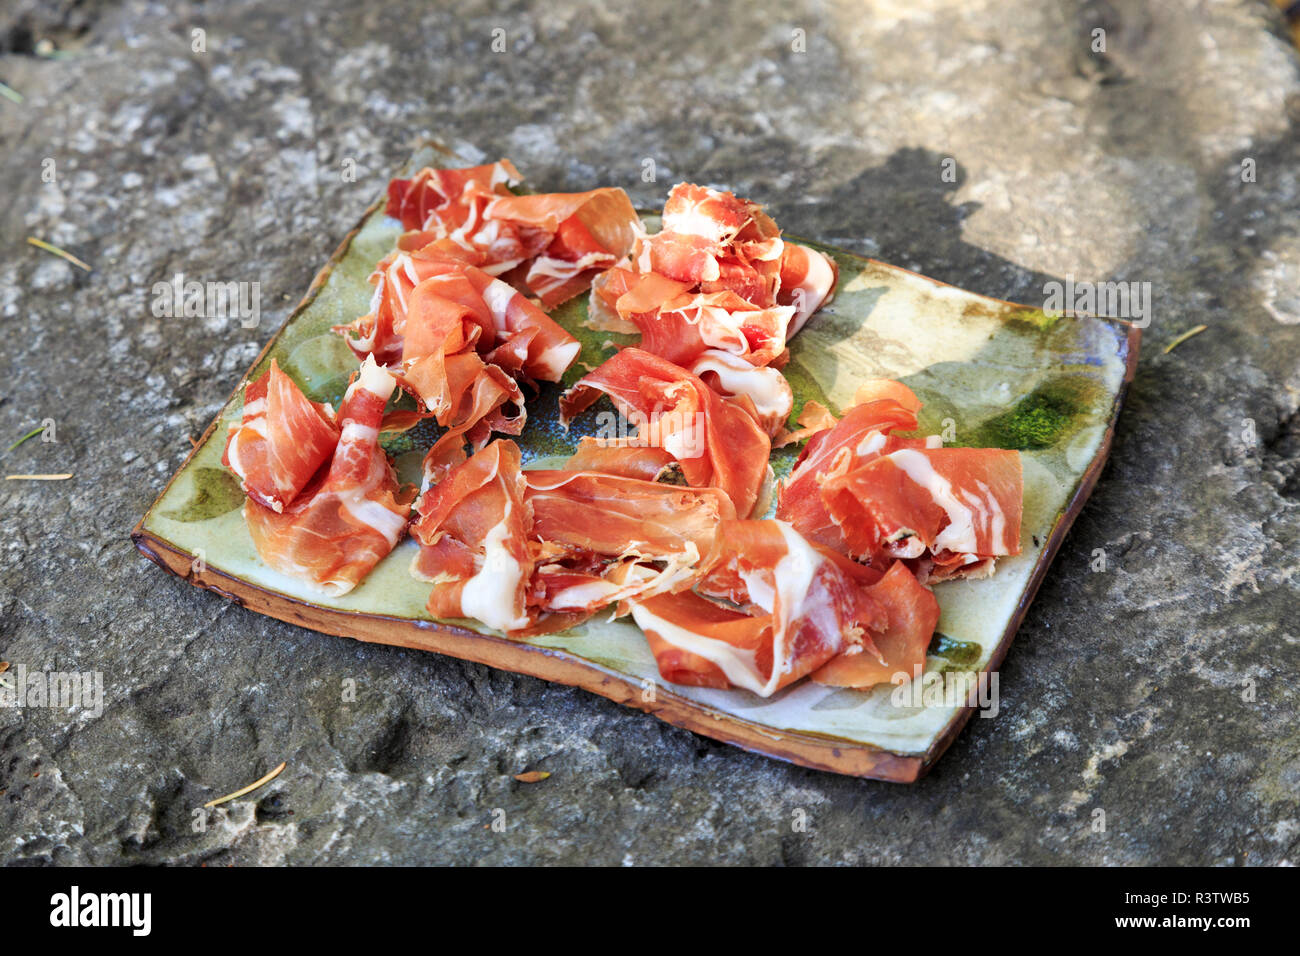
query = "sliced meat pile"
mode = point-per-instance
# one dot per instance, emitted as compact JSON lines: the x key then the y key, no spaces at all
{"x":662,"y":522}
{"x":458,"y":308}
{"x":717,"y":443}
{"x":530,"y":551}
{"x":723,"y":602}
{"x":718,"y":292}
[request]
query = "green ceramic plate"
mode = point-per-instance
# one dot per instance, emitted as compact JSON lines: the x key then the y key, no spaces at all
{"x":990,"y":373}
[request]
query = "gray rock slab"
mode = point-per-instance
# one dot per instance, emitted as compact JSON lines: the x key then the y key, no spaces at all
{"x":1161,"y":691}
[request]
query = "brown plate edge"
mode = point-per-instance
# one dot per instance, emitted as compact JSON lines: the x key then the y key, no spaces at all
{"x":546,"y":663}
{"x":804,"y":749}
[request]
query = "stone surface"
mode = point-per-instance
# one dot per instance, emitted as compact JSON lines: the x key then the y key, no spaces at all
{"x":1127,"y":690}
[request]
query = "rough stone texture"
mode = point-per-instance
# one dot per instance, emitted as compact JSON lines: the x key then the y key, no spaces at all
{"x":1124,"y":691}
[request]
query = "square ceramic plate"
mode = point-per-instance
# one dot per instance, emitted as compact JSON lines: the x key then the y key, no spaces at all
{"x":990,"y":373}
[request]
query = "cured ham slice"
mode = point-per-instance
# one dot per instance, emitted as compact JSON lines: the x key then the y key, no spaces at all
{"x":875,"y":389}
{"x":515,"y":548}
{"x":470,"y":398}
{"x":456,"y":222}
{"x":912,"y":614}
{"x":281,"y":440}
{"x":687,"y":326}
{"x":445,"y":195}
{"x":717,"y":443}
{"x":756,"y":280}
{"x":717,"y":216}
{"x":957,"y":509}
{"x":808,"y":280}
{"x":446,"y":320}
{"x":716,"y":289}
{"x":568,"y":596}
{"x":813,"y":418}
{"x":615,"y":539}
{"x":682,"y":258}
{"x":527,"y":342}
{"x":794,"y":606}
{"x":460,"y":340}
{"x":340,"y":526}
{"x":877,"y":496}
{"x":614,"y":516}
{"x":472,"y":531}
{"x":699,"y":643}
{"x":761,"y":390}
{"x":717,"y":242}
{"x":643,"y":461}
{"x":589,"y":232}
{"x":517,"y":336}
{"x":862,"y":431}
{"x":552,"y":244}
{"x":678,"y":318}
{"x":792,"y":609}
{"x":381,"y":332}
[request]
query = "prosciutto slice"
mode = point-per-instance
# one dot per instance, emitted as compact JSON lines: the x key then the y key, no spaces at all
{"x":441,"y":366}
{"x":807,"y":282}
{"x":791,"y":607}
{"x":911,"y":615}
{"x":716,"y":443}
{"x":281,"y":440}
{"x":645,"y":462}
{"x":615,"y":516}
{"x":688,"y":325}
{"x":340,"y":526}
{"x":588,"y":233}
{"x":718,"y":289}
{"x":955,"y":510}
{"x":759,"y":389}
{"x":460,"y":341}
{"x":550,"y":244}
{"x":614,"y":539}
{"x":446,"y":196}
{"x":877,"y":496}
{"x":529,"y":551}
{"x":516,"y":334}
{"x":863,"y":430}
{"x":620,"y":297}
{"x":472,"y":531}
{"x":772,"y":607}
